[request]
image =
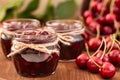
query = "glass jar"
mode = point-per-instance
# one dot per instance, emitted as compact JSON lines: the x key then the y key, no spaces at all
{"x":12,"y":25}
{"x":70,"y":36}
{"x":35,"y":52}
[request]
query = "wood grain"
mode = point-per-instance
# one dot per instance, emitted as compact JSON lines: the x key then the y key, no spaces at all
{"x":64,"y":71}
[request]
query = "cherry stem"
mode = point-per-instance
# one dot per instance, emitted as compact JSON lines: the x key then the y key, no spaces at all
{"x":98,"y":48}
{"x":87,"y":50}
{"x":98,"y":31}
{"x":103,"y":9}
{"x":116,"y":26}
{"x":90,"y":8}
{"x":111,"y":6}
{"x":118,"y":43}
{"x":104,"y":48}
{"x":112,"y":37}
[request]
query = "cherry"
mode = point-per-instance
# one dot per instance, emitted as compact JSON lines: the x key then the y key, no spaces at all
{"x":118,"y":59}
{"x":117,"y":3}
{"x":107,"y":30}
{"x":85,"y":35}
{"x":93,"y":26}
{"x":94,"y":43}
{"x":99,"y":7}
{"x":92,"y":67}
{"x":107,"y":71}
{"x":116,"y":10}
{"x":99,"y":53}
{"x":89,"y":20}
{"x":106,"y":59}
{"x":94,"y":5}
{"x":113,"y":56}
{"x":109,"y":44}
{"x":101,"y":20}
{"x":107,"y":39}
{"x":110,"y":18}
{"x":82,"y":60}
{"x":87,"y":14}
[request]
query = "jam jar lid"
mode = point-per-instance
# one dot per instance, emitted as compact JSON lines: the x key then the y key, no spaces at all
{"x":22,"y":23}
{"x":36,"y":36}
{"x":65,"y":25}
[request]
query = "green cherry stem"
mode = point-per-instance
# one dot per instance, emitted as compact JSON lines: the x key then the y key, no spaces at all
{"x":87,"y":50}
{"x":104,"y":51}
{"x":103,"y":9}
{"x":98,"y":48}
{"x":90,"y":4}
{"x":111,"y":6}
{"x":118,"y":43}
{"x":112,"y":37}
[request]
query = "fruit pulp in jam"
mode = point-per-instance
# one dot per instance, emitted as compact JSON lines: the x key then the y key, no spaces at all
{"x":6,"y":43}
{"x":32,"y":63}
{"x":68,"y":52}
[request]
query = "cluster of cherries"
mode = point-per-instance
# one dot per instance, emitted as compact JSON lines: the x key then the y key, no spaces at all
{"x":106,"y":55}
{"x":102,"y":14}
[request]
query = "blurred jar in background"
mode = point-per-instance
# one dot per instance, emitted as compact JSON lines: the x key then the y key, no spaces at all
{"x":12,"y":25}
{"x":70,"y":39}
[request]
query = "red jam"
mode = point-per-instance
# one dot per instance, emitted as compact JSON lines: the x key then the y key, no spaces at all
{"x":71,"y":29}
{"x":31,"y":62}
{"x":10,"y":26}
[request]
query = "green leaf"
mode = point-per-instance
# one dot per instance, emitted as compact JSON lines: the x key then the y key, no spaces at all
{"x":32,"y":6}
{"x":2,"y":14}
{"x":66,"y":9}
{"x":25,"y":15}
{"x":49,"y":12}
{"x":7,"y":10}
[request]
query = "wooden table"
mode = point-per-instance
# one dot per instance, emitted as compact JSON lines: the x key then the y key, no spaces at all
{"x":64,"y":71}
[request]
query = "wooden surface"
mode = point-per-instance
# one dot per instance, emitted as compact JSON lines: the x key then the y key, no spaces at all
{"x":64,"y":71}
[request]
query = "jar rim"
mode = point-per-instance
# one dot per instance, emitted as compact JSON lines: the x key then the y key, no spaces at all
{"x":10,"y":21}
{"x":67,"y":24}
{"x":37,"y":38}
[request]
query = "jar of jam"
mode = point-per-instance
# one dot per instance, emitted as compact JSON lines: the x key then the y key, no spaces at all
{"x":70,"y":36}
{"x":35,"y":52}
{"x":12,"y":25}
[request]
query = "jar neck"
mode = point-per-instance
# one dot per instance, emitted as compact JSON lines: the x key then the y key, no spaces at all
{"x":35,"y":36}
{"x":64,"y":26}
{"x":17,"y":24}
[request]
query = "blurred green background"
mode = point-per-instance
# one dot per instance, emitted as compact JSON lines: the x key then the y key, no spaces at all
{"x":42,"y":10}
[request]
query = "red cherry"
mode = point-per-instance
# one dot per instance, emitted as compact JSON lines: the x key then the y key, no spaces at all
{"x":113,"y":56}
{"x":101,"y":20}
{"x":118,"y":59}
{"x":106,"y":59}
{"x":99,"y":7}
{"x":107,"y":30}
{"x":89,"y":20}
{"x":87,"y":14}
{"x":82,"y":60}
{"x":116,"y":10}
{"x":107,"y":39}
{"x":94,"y":43}
{"x":93,"y":27}
{"x":107,"y":71}
{"x":94,"y":5}
{"x":92,"y":67}
{"x":117,"y":3}
{"x":109,"y":44}
{"x":99,"y":53}
{"x":110,"y":18}
{"x":86,"y":36}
